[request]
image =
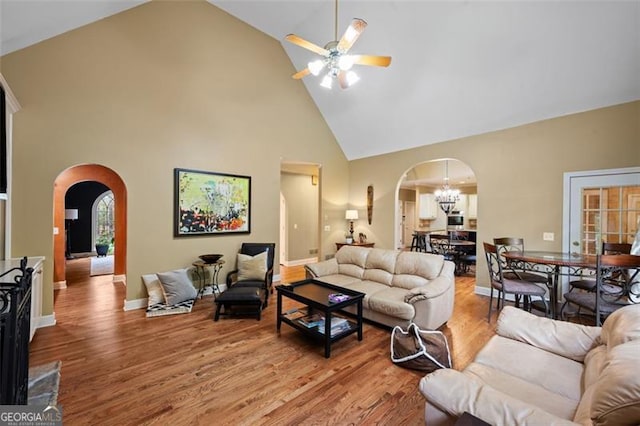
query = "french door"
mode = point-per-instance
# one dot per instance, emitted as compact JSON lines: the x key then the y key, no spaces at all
{"x":599,"y":206}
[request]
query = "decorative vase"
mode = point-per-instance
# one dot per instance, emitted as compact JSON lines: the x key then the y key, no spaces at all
{"x":102,"y":249}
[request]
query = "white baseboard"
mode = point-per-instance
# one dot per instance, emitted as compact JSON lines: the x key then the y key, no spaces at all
{"x":47,"y":321}
{"x":299,"y":262}
{"x":60,"y":285}
{"x":130,"y":305}
{"x":120,"y":279}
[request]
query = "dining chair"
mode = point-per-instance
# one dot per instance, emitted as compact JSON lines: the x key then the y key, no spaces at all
{"x":510,"y":284}
{"x":512,"y":269}
{"x":589,"y":283}
{"x":439,"y":244}
{"x":615,"y":276}
{"x":466,"y":256}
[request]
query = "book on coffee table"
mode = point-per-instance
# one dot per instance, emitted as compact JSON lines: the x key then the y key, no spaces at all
{"x":294,"y":314}
{"x":338,"y":325}
{"x":310,"y":321}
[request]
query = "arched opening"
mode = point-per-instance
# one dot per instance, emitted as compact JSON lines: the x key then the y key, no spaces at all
{"x":417,"y":209}
{"x":103,"y":223}
{"x":106,"y":176}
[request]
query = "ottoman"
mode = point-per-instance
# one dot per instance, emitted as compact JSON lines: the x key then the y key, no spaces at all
{"x":249,"y":300}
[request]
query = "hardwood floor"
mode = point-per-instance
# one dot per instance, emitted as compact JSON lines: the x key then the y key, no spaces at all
{"x":123,"y":368}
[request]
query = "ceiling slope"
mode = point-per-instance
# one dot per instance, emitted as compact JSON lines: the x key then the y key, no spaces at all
{"x":459,"y":68}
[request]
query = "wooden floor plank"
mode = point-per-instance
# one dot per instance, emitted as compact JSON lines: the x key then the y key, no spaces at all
{"x":123,"y":368}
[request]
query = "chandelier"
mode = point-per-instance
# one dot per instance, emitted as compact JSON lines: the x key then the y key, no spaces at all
{"x":445,"y":196}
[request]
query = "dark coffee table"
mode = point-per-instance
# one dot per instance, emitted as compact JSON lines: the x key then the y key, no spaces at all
{"x":315,"y":295}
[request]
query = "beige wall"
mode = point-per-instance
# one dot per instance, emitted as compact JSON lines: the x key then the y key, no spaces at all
{"x":519,"y":173}
{"x":163,"y":85}
{"x":301,"y":198}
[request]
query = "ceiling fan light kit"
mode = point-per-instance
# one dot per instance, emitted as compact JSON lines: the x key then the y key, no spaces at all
{"x":335,"y":59}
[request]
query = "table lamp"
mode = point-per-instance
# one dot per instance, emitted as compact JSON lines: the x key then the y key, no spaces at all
{"x":351,"y":215}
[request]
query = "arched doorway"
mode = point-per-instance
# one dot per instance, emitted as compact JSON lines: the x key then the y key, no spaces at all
{"x":109,"y":178}
{"x":416,"y":209}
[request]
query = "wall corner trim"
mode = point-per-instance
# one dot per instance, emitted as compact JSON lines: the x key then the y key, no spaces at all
{"x":11,"y":99}
{"x":130,"y":305}
{"x":47,"y":321}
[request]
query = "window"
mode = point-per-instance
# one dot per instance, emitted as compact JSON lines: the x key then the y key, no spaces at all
{"x":609,"y":214}
{"x":103,"y":213}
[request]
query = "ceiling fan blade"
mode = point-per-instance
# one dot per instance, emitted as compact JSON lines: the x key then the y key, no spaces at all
{"x":352,"y":33}
{"x":307,"y":44}
{"x":342,"y":79}
{"x":376,"y":61}
{"x":301,"y":74}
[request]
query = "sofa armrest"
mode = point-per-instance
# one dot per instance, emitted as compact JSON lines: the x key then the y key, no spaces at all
{"x":562,"y":338}
{"x":320,"y":269}
{"x":432,"y":289}
{"x":454,"y":393}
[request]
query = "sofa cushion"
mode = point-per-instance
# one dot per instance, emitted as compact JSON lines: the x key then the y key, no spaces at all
{"x":366,"y":287}
{"x":351,"y":260}
{"x":621,"y":326}
{"x":408,"y":282}
{"x":454,"y":392}
{"x":390,"y":301}
{"x":523,"y":390}
{"x":412,"y":266}
{"x":616,"y":394}
{"x":353,"y":255}
{"x":533,"y":365}
{"x":380,"y":265}
{"x":339,"y":280}
{"x":559,"y":337}
{"x":594,"y":363}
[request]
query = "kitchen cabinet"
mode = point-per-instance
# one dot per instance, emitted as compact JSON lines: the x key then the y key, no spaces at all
{"x":461,"y":204}
{"x":472,"y":206}
{"x":427,"y":208}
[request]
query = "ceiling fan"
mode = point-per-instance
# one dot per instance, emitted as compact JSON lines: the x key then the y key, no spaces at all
{"x":335,"y":58}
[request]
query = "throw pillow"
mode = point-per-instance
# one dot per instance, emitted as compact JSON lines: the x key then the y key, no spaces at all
{"x":177,"y":286}
{"x":154,"y":289}
{"x":252,"y":267}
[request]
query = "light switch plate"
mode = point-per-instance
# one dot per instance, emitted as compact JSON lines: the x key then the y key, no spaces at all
{"x":56,"y":231}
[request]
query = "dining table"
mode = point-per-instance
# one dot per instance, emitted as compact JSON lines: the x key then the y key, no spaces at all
{"x":554,"y":264}
{"x":457,"y":249}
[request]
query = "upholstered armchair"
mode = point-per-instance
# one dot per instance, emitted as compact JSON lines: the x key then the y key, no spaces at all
{"x":254,"y":267}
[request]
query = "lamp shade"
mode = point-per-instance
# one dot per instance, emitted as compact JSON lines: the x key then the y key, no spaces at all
{"x":71,"y":214}
{"x":351,"y":215}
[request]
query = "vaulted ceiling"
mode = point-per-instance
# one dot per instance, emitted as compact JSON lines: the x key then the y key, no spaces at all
{"x":459,"y":68}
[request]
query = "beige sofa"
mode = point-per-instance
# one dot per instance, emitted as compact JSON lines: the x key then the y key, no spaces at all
{"x":537,"y":371}
{"x":400,"y":287}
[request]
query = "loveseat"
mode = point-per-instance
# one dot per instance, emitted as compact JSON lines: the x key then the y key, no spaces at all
{"x":399,"y":287}
{"x":539,"y":371}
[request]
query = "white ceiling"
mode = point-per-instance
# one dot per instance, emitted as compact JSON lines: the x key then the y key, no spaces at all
{"x":459,"y":68}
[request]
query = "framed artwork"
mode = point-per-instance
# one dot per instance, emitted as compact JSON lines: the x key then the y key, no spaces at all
{"x":207,"y":203}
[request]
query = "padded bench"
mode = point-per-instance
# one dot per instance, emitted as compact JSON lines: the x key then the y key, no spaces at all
{"x":252,"y":298}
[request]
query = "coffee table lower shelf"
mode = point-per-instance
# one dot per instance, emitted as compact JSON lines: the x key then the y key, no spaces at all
{"x":313,"y":294}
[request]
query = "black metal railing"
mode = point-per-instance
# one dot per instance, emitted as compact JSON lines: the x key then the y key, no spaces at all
{"x":15,"y":324}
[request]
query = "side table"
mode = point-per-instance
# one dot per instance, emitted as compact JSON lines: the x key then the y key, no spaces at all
{"x":201,"y":269}
{"x":338,"y":245}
